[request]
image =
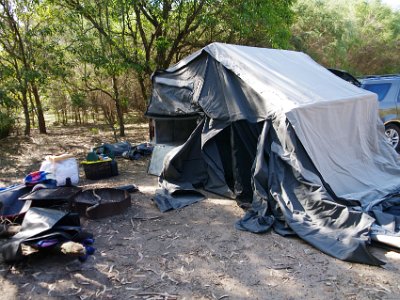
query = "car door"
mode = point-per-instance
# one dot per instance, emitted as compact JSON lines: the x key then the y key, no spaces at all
{"x":387,"y":96}
{"x":398,"y":99}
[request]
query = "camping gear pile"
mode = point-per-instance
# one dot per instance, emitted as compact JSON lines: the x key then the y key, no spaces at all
{"x":100,"y":162}
{"x":276,"y":131}
{"x":125,"y":150}
{"x":43,"y":214}
{"x":47,"y":222}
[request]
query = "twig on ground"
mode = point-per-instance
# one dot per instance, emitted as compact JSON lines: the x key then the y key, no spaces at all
{"x":165,"y":295}
{"x":146,"y":218}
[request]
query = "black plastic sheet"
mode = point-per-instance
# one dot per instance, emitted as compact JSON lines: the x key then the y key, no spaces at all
{"x":42,"y":223}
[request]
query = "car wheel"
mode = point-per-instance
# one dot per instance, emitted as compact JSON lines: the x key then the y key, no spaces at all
{"x":393,"y":134}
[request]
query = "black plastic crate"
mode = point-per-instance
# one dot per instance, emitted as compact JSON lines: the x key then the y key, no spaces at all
{"x":100,"y":169}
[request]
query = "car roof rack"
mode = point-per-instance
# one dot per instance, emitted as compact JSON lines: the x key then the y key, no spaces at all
{"x":345,"y":76}
{"x":380,"y":76}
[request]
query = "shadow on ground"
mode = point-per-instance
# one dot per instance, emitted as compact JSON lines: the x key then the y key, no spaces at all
{"x":191,"y":253}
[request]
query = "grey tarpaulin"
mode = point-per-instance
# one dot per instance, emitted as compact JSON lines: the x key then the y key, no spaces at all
{"x":305,"y":147}
{"x":167,"y":200}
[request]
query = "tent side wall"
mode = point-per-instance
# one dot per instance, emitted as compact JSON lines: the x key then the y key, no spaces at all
{"x":175,"y":90}
{"x":354,"y":148}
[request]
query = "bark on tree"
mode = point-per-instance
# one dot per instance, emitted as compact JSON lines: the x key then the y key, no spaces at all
{"x":24,"y":100}
{"x":32,"y":110}
{"x":39,"y":109}
{"x":25,"y":108}
{"x":120,"y":113}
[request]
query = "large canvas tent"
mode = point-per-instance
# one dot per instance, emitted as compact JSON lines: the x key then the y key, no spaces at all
{"x":275,"y":129}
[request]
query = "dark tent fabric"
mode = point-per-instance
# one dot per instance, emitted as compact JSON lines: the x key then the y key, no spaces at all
{"x":41,"y":224}
{"x":277,"y":130}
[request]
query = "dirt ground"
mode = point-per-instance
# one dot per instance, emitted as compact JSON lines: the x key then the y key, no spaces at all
{"x":191,"y":253}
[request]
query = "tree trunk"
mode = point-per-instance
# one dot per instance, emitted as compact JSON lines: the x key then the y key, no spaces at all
{"x":65,"y":116}
{"x":76,"y":116}
{"x":41,"y":121}
{"x":32,"y":108}
{"x":142,"y":87}
{"x":79,"y":116}
{"x":120,"y":113}
{"x":26,"y":113}
{"x":85,"y":116}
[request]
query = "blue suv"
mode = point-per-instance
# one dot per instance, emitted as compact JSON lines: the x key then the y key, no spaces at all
{"x":387,"y":87}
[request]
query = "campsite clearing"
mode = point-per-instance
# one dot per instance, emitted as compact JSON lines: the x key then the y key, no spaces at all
{"x":191,"y":253}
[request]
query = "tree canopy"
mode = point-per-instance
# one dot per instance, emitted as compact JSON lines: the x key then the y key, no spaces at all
{"x":89,"y":58}
{"x":359,"y":36}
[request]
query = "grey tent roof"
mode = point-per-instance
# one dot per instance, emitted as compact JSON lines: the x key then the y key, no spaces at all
{"x":283,"y":79}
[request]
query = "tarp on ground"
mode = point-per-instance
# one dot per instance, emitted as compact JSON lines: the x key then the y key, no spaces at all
{"x":305,"y":147}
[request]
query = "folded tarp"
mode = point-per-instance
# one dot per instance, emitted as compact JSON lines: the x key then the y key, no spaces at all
{"x":42,"y":224}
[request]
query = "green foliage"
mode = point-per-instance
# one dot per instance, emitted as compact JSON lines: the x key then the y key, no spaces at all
{"x":162,"y":43}
{"x":125,"y":102}
{"x":256,"y":22}
{"x":5,"y":100}
{"x":94,"y":131}
{"x":6,"y":124}
{"x":78,"y":99}
{"x":360,"y":36}
{"x":378,"y":48}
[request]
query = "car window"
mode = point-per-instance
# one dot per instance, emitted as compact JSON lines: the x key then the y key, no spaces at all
{"x":378,"y":88}
{"x":398,"y":96}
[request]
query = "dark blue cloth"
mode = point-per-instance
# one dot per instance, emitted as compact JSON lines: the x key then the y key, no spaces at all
{"x":113,"y":150}
{"x":10,"y":206}
{"x":138,"y":151}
